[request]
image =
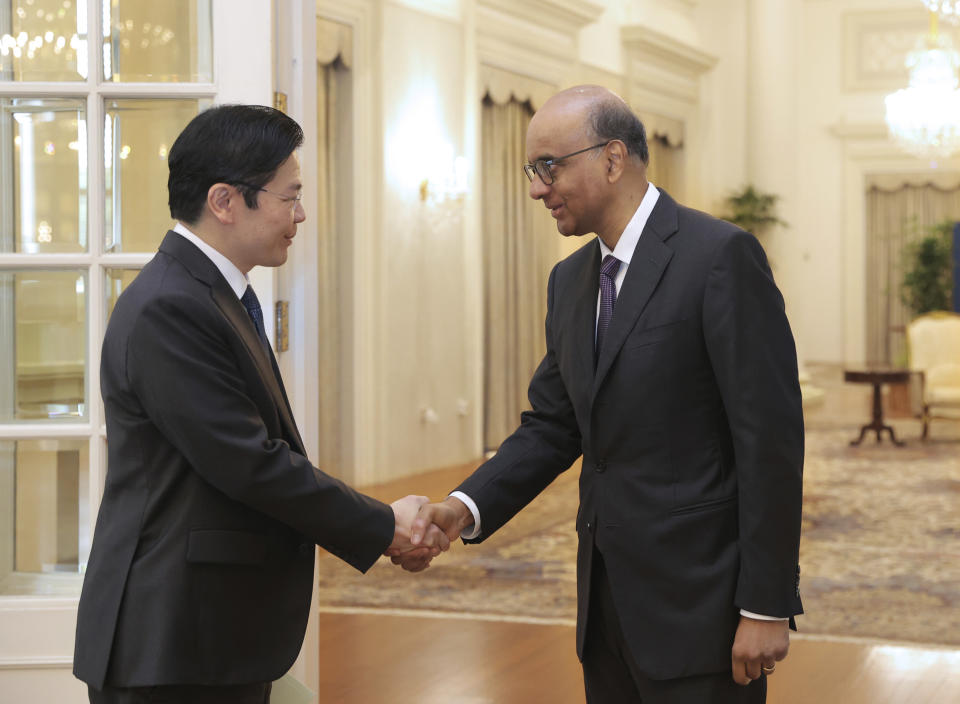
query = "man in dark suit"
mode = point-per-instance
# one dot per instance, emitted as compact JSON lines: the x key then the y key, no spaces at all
{"x":200,"y":575}
{"x":671,"y":368}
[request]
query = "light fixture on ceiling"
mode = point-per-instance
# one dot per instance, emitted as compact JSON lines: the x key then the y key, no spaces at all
{"x":947,"y":9}
{"x":924,"y":118}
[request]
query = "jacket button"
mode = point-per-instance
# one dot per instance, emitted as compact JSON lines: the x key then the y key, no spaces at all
{"x":306,"y":548}
{"x":588,"y":525}
{"x":602,"y":466}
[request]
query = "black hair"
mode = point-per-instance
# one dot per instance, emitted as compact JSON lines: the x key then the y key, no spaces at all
{"x":613,"y":119}
{"x":242,"y":145}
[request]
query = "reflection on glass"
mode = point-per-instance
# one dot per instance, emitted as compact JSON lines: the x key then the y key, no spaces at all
{"x":44,"y":209}
{"x":44,"y":511}
{"x":43,"y":40}
{"x":168,"y":42}
{"x":137,"y":134}
{"x":43,"y":344}
{"x":117,"y":281}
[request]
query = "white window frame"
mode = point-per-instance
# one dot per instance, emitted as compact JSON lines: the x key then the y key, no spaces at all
{"x":36,"y":632}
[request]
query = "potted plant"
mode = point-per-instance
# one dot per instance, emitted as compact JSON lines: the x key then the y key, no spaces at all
{"x":927,"y":276}
{"x":753,"y":210}
{"x":927,"y":286}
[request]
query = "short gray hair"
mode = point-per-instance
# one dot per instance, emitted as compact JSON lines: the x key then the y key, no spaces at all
{"x":613,"y":119}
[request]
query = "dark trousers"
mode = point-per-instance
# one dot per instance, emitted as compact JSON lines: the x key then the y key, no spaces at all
{"x":610,"y":675}
{"x":183,"y":694}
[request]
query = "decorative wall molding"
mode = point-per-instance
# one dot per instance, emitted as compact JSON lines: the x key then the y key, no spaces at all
{"x":536,"y":38}
{"x":561,"y":16}
{"x":441,"y":9}
{"x":36,"y":632}
{"x":594,"y":75}
{"x":684,"y":5}
{"x":858,"y":130}
{"x":501,"y":86}
{"x":663,"y":74}
{"x":876,"y":43}
{"x":334,"y":40}
{"x":364,"y":19}
{"x":669,"y":128}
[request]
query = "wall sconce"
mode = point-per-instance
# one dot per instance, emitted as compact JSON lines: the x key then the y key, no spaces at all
{"x":420,"y":156}
{"x":451,"y":185}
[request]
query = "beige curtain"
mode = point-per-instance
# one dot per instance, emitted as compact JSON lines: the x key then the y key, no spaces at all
{"x":898,"y":208}
{"x":333,"y":212}
{"x":665,"y":169}
{"x":520,"y":244}
{"x":665,"y":142}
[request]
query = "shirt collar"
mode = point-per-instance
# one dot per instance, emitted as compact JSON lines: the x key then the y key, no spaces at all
{"x":631,"y":234}
{"x":237,"y":279}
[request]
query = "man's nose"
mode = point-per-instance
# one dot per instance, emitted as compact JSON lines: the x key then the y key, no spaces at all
{"x":299,"y":214}
{"x":538,"y":189}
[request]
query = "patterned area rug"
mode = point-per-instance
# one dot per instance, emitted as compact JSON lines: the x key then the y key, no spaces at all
{"x":880,"y":554}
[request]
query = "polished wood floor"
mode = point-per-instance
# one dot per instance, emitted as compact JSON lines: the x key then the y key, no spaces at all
{"x":377,"y":659}
{"x":400,"y":659}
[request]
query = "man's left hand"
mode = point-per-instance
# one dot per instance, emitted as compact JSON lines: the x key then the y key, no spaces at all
{"x":758,"y":647}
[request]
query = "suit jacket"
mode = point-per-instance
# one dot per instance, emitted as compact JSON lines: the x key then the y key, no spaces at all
{"x":691,"y":431}
{"x":201,"y":567}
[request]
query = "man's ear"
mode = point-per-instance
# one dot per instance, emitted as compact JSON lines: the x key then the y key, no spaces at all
{"x":616,"y":155}
{"x":222,"y":201}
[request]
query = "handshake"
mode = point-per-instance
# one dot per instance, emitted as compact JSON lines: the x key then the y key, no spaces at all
{"x":424,"y":530}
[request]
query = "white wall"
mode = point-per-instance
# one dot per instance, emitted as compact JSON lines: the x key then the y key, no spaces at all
{"x":775,"y":110}
{"x":427,"y":365}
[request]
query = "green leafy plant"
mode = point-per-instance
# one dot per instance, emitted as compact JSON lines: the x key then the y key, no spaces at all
{"x":927,"y":276}
{"x":753,"y":210}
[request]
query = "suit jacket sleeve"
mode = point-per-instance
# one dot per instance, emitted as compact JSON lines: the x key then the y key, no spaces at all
{"x":754,"y":361}
{"x":187,"y":377}
{"x":546,"y":444}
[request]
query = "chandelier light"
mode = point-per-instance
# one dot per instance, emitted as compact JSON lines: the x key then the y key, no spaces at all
{"x":947,"y":9}
{"x":924,"y":118}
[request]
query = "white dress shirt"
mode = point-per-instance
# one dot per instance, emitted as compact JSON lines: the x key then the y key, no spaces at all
{"x":237,"y":279}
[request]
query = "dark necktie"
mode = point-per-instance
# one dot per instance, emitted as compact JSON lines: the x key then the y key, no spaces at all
{"x":252,"y":304}
{"x":608,"y":296}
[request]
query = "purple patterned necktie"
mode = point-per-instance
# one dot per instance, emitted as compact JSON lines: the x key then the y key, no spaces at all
{"x":608,"y":296}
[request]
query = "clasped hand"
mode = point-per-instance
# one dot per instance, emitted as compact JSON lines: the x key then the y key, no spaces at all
{"x":424,"y":530}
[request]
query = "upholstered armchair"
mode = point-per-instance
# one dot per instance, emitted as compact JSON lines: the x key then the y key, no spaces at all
{"x":934,"y":344}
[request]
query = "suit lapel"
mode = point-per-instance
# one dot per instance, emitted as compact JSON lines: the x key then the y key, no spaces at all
{"x":584,"y":316}
{"x":226,"y":300}
{"x":649,"y":261}
{"x":292,"y":422}
{"x":237,"y":315}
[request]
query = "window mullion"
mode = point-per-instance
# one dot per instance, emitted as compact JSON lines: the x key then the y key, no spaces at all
{"x":17,"y":260}
{"x":96,"y":308}
{"x":66,"y":429}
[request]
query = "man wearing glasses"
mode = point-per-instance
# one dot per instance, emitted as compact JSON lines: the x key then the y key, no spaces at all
{"x":201,"y":570}
{"x":671,"y":368}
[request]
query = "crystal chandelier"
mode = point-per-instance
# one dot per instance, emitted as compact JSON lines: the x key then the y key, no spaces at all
{"x":924,"y":118}
{"x":947,"y":9}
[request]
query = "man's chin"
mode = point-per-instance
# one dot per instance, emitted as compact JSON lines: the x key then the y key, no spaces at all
{"x":568,"y":230}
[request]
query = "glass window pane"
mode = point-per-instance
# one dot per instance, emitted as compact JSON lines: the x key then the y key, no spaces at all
{"x":137,"y":135}
{"x":43,"y":175}
{"x":43,"y":40}
{"x":44,"y":514}
{"x":117,"y":281}
{"x":168,"y":42}
{"x":43,"y":328}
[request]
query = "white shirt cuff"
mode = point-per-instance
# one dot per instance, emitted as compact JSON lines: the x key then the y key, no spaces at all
{"x":760,"y":617}
{"x":473,"y":531}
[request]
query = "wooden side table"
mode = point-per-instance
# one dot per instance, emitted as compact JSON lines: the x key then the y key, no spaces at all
{"x":877,"y":377}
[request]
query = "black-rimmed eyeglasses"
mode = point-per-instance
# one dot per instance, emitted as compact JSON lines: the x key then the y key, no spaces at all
{"x":286,"y":199}
{"x":542,"y":167}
